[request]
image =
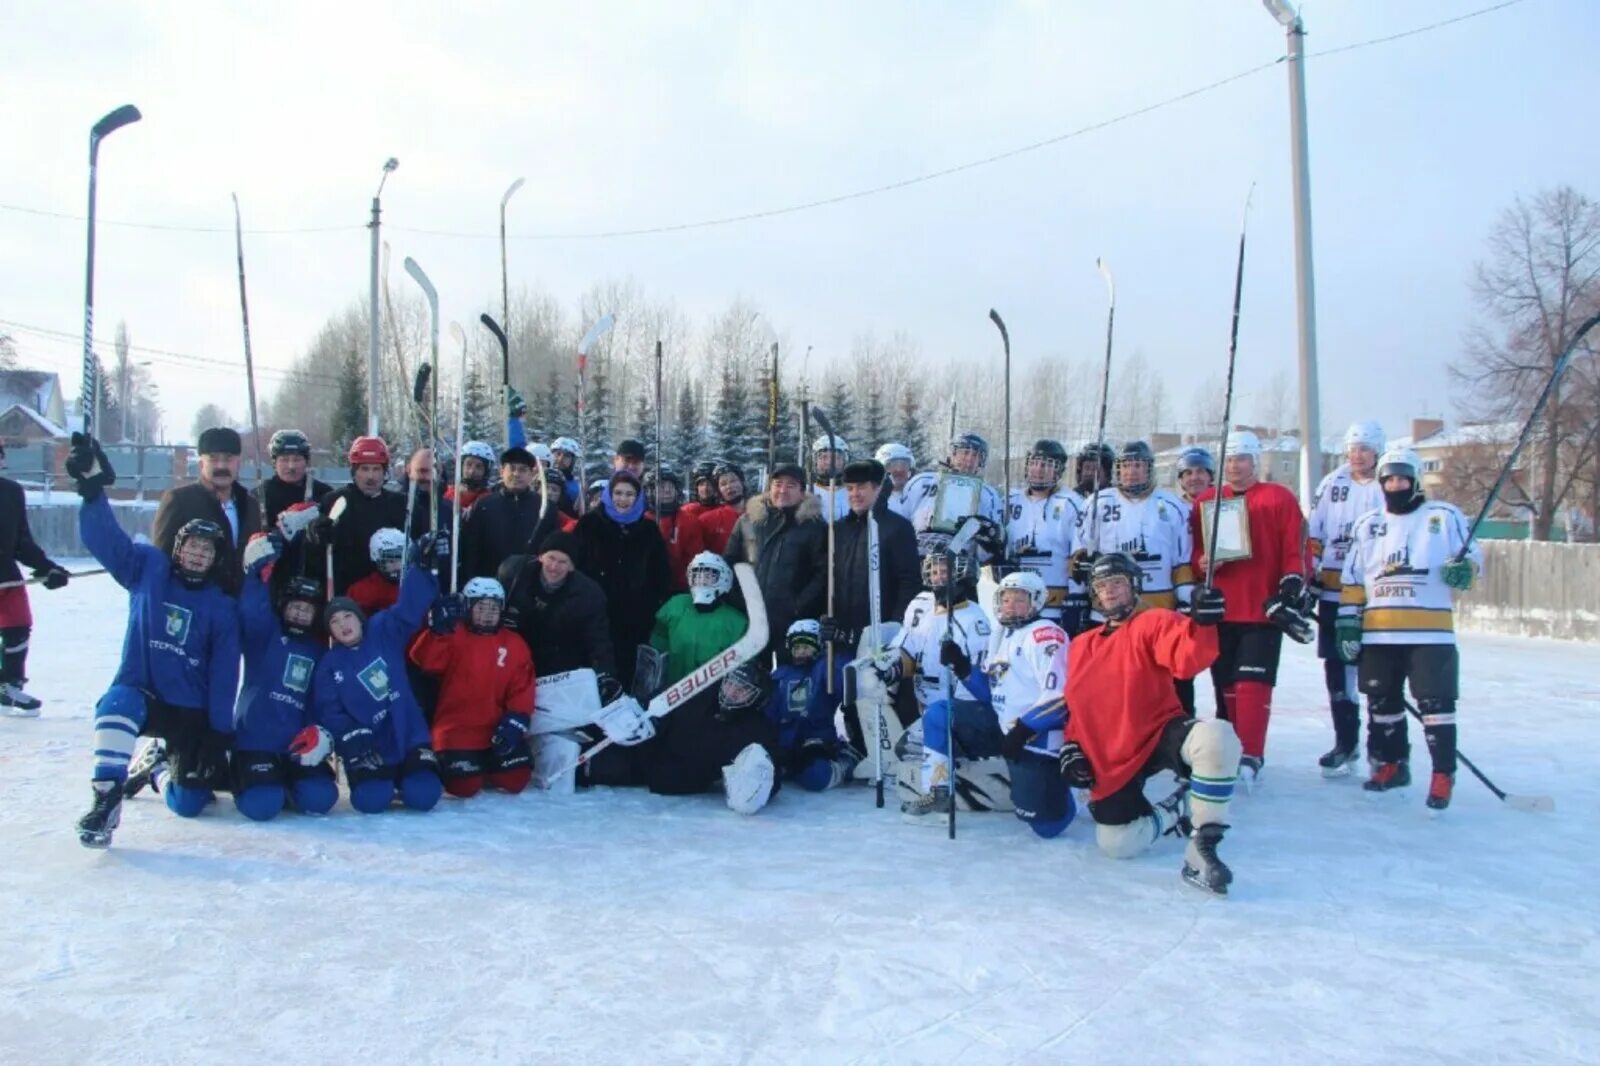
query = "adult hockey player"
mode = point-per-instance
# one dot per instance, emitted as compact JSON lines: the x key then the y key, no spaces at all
{"x":719,"y":739}
{"x":718,"y":522}
{"x":811,"y":753}
{"x":1197,"y":471}
{"x":511,"y":520}
{"x":291,"y":481}
{"x":1126,"y":724}
{"x":898,"y":465}
{"x":1148,"y":524}
{"x":218,"y":498}
{"x":1397,"y":618}
{"x":486,"y":687}
{"x":369,"y":507}
{"x":704,"y":487}
{"x":179,"y":670}
{"x":683,"y":534}
{"x":477,"y":460}
{"x":829,"y":457}
{"x":1265,"y":595}
{"x":1042,"y":532}
{"x":695,"y":627}
{"x":782,"y":536}
{"x":1092,"y":470}
{"x":380,"y":589}
{"x":1343,"y":497}
{"x":363,"y":698}
{"x":16,"y":616}
{"x":565,"y":450}
{"x":969,"y":454}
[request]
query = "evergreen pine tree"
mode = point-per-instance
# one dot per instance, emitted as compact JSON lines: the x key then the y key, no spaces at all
{"x":644,"y":426}
{"x":597,"y":425}
{"x":684,"y":441}
{"x":480,"y":408}
{"x":841,"y":408}
{"x":913,"y":428}
{"x":733,"y":427}
{"x":874,"y":423}
{"x":350,"y":408}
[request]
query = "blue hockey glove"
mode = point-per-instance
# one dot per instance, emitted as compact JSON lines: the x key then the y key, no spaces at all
{"x":511,"y":735}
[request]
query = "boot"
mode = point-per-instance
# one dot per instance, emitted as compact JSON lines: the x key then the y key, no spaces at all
{"x":1439,"y":790}
{"x":1201,"y":867}
{"x":96,"y":827}
{"x":1388,"y":775}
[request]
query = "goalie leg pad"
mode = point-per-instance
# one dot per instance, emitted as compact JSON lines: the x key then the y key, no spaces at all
{"x":1211,"y":751}
{"x":750,"y":781}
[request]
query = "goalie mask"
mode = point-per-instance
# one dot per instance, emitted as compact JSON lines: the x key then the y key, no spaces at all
{"x":953,"y":577}
{"x":387,"y":549}
{"x":1019,"y":598}
{"x":484,"y":599}
{"x":710,"y":579}
{"x":741,"y":692}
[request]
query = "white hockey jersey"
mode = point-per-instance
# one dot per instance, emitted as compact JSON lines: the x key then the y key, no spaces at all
{"x":988,"y":505}
{"x":834,"y":496}
{"x":1028,"y":678}
{"x":1154,"y":530}
{"x":924,"y":630}
{"x":1042,"y":534}
{"x":1393,"y":574}
{"x":919,"y":487}
{"x":1340,"y":500}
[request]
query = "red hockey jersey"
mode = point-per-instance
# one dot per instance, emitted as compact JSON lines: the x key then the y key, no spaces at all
{"x":482,"y":676}
{"x":1277,"y":547}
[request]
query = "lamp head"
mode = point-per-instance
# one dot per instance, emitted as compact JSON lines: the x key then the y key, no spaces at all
{"x":1283,"y":11}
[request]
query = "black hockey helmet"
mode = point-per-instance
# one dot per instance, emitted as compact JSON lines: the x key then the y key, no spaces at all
{"x":1137,"y":451}
{"x":975,"y":443}
{"x":742,"y":690}
{"x":1197,"y":458}
{"x":1102,"y":458}
{"x":208,"y":530}
{"x":706,"y":471}
{"x":1116,"y":564}
{"x":960,"y":569}
{"x":289,"y":442}
{"x":300,"y":589}
{"x":1049,"y":451}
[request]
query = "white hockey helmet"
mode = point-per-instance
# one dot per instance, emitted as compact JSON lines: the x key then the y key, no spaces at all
{"x":387,"y":550}
{"x":1402,"y":462}
{"x":710,"y":577}
{"x":894,"y":452}
{"x":1243,"y":443}
{"x":803,"y":632}
{"x":1367,"y":435}
{"x":478,"y":590}
{"x":564,"y":444}
{"x":543,"y":453}
{"x":828,"y":443}
{"x":1026,"y":581}
{"x":477,"y":449}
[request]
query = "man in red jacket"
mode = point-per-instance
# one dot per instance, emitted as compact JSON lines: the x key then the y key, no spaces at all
{"x":682,"y":531}
{"x":1125,"y":724}
{"x":1265,"y":591}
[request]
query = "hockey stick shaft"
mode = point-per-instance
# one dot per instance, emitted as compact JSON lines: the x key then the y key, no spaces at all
{"x":1105,"y":397}
{"x":109,"y":123}
{"x":660,"y":443}
{"x":1227,"y":401}
{"x":772,"y":411}
{"x":1521,"y":803}
{"x":833,"y":488}
{"x":460,"y":336}
{"x":1005,"y":455}
{"x":875,"y":623}
{"x":39,"y":579}
{"x":249,"y":362}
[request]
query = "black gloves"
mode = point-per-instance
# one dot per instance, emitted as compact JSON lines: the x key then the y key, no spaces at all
{"x":433,"y":550}
{"x":832,"y":632}
{"x":319,"y":534}
{"x":1015,"y":742}
{"x":55,"y":578}
{"x":990,"y":537}
{"x":1075,"y":768}
{"x":446,"y":611}
{"x":1207,"y":606}
{"x":89,"y":468}
{"x":610,"y":688}
{"x":1290,"y":609}
{"x":1082,"y":563}
{"x":956,"y":658}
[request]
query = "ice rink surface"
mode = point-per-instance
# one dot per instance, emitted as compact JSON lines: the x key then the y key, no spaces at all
{"x":615,"y":926}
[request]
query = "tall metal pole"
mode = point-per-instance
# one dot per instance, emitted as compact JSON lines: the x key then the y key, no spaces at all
{"x":375,"y":335}
{"x":1305,"y":281}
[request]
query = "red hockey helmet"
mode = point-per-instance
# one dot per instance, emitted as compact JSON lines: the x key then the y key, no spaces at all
{"x":365,"y":450}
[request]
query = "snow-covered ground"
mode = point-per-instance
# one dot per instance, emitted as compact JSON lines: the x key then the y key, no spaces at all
{"x":622,"y":927}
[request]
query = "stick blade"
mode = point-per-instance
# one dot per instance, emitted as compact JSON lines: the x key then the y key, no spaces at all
{"x":115,"y":121}
{"x":422,"y":279}
{"x":1532,"y":804}
{"x":596,"y":331}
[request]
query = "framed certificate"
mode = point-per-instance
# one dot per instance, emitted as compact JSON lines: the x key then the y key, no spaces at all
{"x":1233,"y":529}
{"x":957,"y":498}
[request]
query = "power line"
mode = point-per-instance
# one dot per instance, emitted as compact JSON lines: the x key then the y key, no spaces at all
{"x":807,"y":205}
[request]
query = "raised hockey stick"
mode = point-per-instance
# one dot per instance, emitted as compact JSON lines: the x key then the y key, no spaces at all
{"x":1105,"y":395}
{"x":596,"y":331}
{"x":432,"y":294}
{"x":875,"y":629}
{"x":419,"y":389}
{"x":505,"y":354}
{"x":1227,"y":402}
{"x":747,"y":647}
{"x":1005,"y":455}
{"x":1539,"y":804}
{"x":249,"y":363}
{"x":460,"y":337}
{"x":335,"y":513}
{"x":827,"y":427}
{"x":91,"y":379}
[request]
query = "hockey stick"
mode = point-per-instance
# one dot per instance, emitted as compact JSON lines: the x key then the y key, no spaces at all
{"x":833,"y":487}
{"x":418,"y":389}
{"x":1540,"y":804}
{"x":505,"y":291}
{"x":460,"y":337}
{"x":335,"y":513}
{"x":1227,"y":402}
{"x":1522,"y":439}
{"x":1105,"y":395}
{"x":660,"y":444}
{"x":1005,"y":460}
{"x":747,"y":647}
{"x":39,"y":579}
{"x":244,"y":317}
{"x":958,"y":545}
{"x":605,"y":322}
{"x":91,"y":380}
{"x":505,"y":354}
{"x":432,"y":294}
{"x":772,"y":412}
{"x":875,"y":624}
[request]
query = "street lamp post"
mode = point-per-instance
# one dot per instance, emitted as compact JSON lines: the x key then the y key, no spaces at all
{"x":373,"y":342}
{"x":1305,"y":281}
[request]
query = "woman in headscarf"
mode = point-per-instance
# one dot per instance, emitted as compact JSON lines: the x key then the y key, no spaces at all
{"x":622,"y":550}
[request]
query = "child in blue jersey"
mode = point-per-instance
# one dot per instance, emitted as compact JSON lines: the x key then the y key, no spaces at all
{"x":180,"y":655}
{"x":363,"y":698}
{"x":814,"y":756}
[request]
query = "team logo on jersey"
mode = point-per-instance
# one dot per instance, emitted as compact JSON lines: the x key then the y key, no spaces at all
{"x":374,"y":677}
{"x":178,"y":619}
{"x":1049,"y":635}
{"x":997,"y":671}
{"x":981,"y":627}
{"x":297,"y":673}
{"x":1435,"y":523}
{"x":799,"y":696}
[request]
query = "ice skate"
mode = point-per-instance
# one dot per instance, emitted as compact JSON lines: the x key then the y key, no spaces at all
{"x":147,"y":761}
{"x":15,"y":703}
{"x":1339,"y":762}
{"x":1388,"y":775}
{"x":96,"y":827}
{"x":1439,"y":791}
{"x":919,"y":811}
{"x":1201,"y":867}
{"x":1250,"y":770}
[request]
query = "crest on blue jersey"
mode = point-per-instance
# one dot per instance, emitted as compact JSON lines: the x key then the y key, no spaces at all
{"x":374,"y":677}
{"x":177,"y":623}
{"x":297,"y":673}
{"x":799,"y":697}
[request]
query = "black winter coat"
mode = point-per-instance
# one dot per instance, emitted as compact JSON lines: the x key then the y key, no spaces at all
{"x":274,"y":496}
{"x":187,"y":502}
{"x":501,"y":525}
{"x":788,"y":548}
{"x":363,"y":516}
{"x":899,"y":570}
{"x":565,"y":628}
{"x":629,"y":562}
{"x":16,"y":539}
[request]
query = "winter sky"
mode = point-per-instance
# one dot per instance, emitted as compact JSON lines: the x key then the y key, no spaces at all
{"x":636,"y":115}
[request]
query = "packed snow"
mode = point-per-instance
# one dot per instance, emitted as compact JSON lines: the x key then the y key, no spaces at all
{"x":616,"y":926}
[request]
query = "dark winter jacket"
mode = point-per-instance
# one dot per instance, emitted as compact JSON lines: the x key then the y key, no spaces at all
{"x":899,"y":572}
{"x":363,"y":516}
{"x":503,"y":524}
{"x":788,"y":548}
{"x":629,"y":562}
{"x":188,"y":502}
{"x":565,"y":628}
{"x":16,"y":540}
{"x":420,"y":522}
{"x":274,"y":495}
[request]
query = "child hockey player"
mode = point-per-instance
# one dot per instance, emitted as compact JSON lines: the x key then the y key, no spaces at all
{"x":813,"y":756}
{"x":477,"y":460}
{"x":380,"y":589}
{"x":16,"y":619}
{"x":363,"y":698}
{"x":481,"y":722}
{"x":694,"y":627}
{"x":1126,"y":724}
{"x":180,"y":655}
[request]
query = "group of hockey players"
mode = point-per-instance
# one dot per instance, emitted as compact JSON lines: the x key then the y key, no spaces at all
{"x":1025,"y":654}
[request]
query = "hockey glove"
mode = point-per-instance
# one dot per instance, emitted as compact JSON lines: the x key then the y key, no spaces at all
{"x":296,"y":518}
{"x":1207,"y":606}
{"x":625,"y":722}
{"x":207,"y":764}
{"x":1075,"y":768}
{"x":889,"y":666}
{"x":55,"y":578}
{"x":433,"y":550}
{"x":311,"y":746}
{"x":260,"y":550}
{"x":446,"y":611}
{"x":319,"y":532}
{"x":511,"y":736}
{"x":1457,"y":573}
{"x":1347,"y":633}
{"x":610,"y":688}
{"x":1081,"y":565}
{"x":89,"y":468}
{"x":358,"y":750}
{"x":1288,"y":611}
{"x":990,"y":538}
{"x":1015,"y":742}
{"x":831,"y":632}
{"x":956,"y":658}
{"x":516,"y":406}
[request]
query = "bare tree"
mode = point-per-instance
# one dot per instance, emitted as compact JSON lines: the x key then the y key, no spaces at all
{"x":1273,"y":403}
{"x":8,"y":352}
{"x":1540,"y":279}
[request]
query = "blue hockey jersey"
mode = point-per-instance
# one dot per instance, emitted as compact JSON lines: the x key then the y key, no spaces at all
{"x":275,"y":702}
{"x":799,"y":705}
{"x":181,"y":644}
{"x":367,"y":686}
